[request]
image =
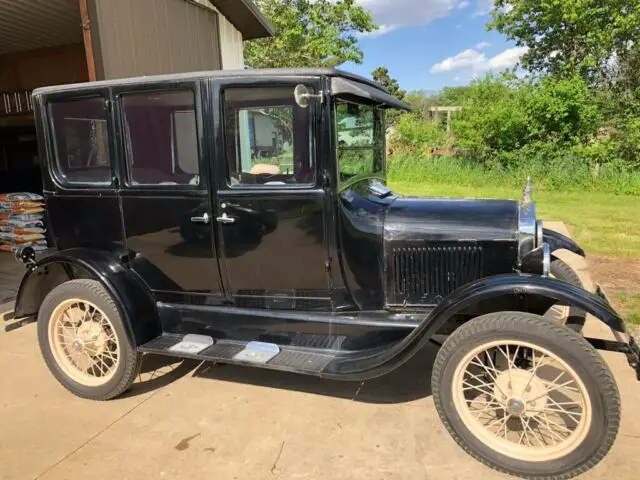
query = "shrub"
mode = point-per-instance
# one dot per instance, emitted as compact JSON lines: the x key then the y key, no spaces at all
{"x":415,"y":133}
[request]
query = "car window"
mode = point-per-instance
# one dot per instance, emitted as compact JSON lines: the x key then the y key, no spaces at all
{"x":268,"y":138}
{"x":161,"y":138}
{"x":81,"y":140}
{"x":361,"y":142}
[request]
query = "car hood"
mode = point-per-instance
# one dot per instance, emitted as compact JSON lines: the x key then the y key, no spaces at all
{"x":447,"y":219}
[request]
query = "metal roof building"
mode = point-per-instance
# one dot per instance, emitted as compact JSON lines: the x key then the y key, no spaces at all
{"x":57,"y":42}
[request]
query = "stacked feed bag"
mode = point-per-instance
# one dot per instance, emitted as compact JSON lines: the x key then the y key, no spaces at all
{"x":22,"y":222}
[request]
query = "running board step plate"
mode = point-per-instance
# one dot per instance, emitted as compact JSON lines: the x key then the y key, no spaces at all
{"x":267,"y":355}
{"x":192,"y":344}
{"x":257,"y":352}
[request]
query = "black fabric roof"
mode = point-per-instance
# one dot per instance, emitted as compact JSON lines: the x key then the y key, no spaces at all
{"x":351,"y":84}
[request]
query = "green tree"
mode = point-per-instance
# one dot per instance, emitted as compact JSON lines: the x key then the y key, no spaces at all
{"x":381,"y":75}
{"x":309,"y":33}
{"x":421,"y":102}
{"x":569,"y":36}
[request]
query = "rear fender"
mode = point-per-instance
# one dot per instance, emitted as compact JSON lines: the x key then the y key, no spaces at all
{"x":133,"y":298}
{"x":557,"y":241}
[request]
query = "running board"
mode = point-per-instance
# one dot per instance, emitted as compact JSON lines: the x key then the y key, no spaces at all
{"x":260,"y":354}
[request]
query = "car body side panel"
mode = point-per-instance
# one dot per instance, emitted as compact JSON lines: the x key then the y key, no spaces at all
{"x":175,"y":254}
{"x":275,"y":253}
{"x":360,"y":230}
{"x":85,"y":219}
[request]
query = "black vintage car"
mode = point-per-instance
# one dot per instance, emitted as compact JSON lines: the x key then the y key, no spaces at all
{"x":243,"y":217}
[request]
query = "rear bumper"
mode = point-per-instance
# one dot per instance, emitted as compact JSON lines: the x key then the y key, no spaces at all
{"x":625,"y":343}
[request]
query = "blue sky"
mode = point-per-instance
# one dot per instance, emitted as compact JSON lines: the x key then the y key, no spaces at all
{"x":429,"y":44}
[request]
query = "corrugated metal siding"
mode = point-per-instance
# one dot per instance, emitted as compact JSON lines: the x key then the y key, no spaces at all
{"x":231,"y":45}
{"x":31,"y":24}
{"x":147,"y":37}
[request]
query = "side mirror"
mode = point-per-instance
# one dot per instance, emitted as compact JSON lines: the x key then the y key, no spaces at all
{"x":302,"y":95}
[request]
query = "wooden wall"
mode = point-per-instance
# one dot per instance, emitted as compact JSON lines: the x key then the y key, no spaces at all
{"x":45,"y":66}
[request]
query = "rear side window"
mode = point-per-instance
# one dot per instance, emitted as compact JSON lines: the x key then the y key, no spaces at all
{"x":161,"y":138}
{"x":81,"y":140}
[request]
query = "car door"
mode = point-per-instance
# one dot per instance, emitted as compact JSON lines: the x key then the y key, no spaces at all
{"x":165,"y":191}
{"x":270,"y":202}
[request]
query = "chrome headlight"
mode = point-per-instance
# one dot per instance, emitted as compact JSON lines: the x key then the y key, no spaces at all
{"x":530,"y":230}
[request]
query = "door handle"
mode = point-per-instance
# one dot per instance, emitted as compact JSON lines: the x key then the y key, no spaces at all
{"x":226,"y":219}
{"x":203,"y":219}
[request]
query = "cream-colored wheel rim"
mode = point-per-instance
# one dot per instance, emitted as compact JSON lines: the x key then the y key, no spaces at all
{"x":558,"y":313}
{"x":83,"y":342}
{"x":521,"y":400}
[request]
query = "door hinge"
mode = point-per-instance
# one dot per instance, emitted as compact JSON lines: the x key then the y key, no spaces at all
{"x":327,"y":265}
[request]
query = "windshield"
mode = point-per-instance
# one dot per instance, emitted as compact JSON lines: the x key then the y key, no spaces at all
{"x":360,"y":141}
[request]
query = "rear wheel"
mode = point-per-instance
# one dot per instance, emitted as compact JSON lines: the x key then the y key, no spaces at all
{"x":526,"y":396}
{"x":84,"y":342}
{"x":572,"y":317}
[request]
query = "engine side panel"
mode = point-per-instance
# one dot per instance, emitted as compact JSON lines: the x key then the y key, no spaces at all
{"x":434,"y":246}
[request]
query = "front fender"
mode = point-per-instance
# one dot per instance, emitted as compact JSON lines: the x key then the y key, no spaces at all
{"x":558,"y":241}
{"x":134,"y":300}
{"x":520,"y":292}
{"x":533,"y":293}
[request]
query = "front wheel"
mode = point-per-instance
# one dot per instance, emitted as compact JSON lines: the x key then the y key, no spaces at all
{"x":526,"y":396}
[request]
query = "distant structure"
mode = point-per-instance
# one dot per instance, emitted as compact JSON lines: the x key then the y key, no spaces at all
{"x":436,"y":111}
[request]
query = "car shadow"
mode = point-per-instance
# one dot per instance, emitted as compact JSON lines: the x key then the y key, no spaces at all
{"x":411,"y":381}
{"x":158,"y":371}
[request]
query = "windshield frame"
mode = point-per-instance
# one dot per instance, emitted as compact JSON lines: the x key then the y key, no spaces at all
{"x":378,"y":145}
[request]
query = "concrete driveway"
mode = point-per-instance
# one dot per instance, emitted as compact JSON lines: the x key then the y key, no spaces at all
{"x":189,"y":420}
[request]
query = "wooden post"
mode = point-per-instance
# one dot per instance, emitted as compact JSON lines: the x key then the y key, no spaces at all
{"x":88,"y":41}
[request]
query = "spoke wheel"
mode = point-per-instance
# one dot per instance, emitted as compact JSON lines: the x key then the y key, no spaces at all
{"x":522,"y":399}
{"x":83,"y":342}
{"x":526,"y":396}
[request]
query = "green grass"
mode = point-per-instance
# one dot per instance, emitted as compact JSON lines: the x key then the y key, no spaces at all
{"x":567,"y":175}
{"x":629,"y":304}
{"x":603,"y":224}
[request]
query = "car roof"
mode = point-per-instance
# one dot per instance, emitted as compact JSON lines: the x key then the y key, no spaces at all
{"x":213,"y":74}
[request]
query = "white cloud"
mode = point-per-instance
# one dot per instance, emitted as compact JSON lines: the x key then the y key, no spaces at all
{"x":382,"y":29}
{"x":463,"y":5}
{"x":507,"y":59}
{"x":471,"y":59}
{"x":481,"y":45}
{"x":400,"y":13}
{"x":483,"y":7}
{"x":467,"y":59}
{"x":457,"y":78}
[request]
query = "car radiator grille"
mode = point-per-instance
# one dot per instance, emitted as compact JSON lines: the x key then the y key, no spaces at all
{"x":426,"y":273}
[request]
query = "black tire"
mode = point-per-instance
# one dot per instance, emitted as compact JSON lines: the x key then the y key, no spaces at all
{"x":129,"y":362}
{"x":568,"y":346}
{"x":562,"y":271}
